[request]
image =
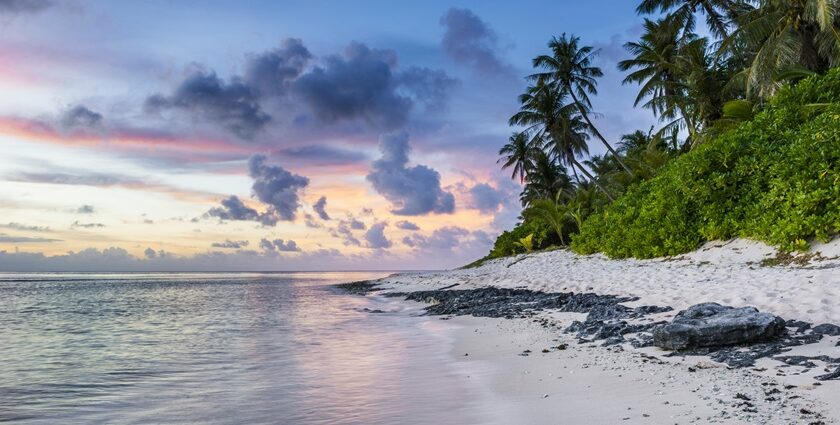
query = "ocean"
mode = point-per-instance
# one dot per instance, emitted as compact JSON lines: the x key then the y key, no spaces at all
{"x":221,"y":348}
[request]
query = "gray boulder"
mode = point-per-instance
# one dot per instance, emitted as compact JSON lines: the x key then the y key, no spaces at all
{"x":714,"y":325}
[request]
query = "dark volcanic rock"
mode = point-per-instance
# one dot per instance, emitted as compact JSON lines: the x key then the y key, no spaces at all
{"x":826,"y":329}
{"x":714,"y":325}
{"x":830,"y":376}
{"x":508,"y":303}
{"x":362,"y":287}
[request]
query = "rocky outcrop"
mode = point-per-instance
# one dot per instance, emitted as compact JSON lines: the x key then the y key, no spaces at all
{"x":714,"y":325}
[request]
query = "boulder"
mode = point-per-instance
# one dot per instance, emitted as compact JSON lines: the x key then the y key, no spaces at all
{"x":714,"y":325}
{"x":826,"y":329}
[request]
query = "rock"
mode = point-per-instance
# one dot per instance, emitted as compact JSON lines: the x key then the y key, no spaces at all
{"x":826,"y":329}
{"x":714,"y":325}
{"x":830,"y":376}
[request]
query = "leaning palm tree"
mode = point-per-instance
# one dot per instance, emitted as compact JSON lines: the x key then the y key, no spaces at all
{"x":783,"y":35}
{"x":719,"y":13}
{"x":517,"y":154}
{"x":656,"y":67}
{"x":568,"y":140}
{"x":570,"y":68}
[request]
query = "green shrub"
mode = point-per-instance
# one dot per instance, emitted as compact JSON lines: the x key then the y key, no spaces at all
{"x":775,"y":178}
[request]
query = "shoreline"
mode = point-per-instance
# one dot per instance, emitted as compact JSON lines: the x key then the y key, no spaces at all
{"x":587,"y":382}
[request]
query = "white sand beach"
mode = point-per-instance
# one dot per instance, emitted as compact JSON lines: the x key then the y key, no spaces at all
{"x":591,"y":384}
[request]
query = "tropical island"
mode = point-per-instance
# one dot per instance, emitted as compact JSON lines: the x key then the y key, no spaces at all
{"x":690,"y":274}
{"x":748,"y":145}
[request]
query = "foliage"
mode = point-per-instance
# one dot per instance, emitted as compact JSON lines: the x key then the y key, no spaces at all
{"x":775,"y":178}
{"x":508,"y":242}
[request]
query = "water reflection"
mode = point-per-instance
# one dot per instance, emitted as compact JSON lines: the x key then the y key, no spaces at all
{"x":217,"y":348}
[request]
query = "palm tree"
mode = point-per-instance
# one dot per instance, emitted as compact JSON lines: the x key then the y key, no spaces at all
{"x":719,"y":13}
{"x":635,"y":141}
{"x":517,"y":154}
{"x":656,"y":68}
{"x":555,"y":125}
{"x":545,"y":179}
{"x":552,"y":212}
{"x":786,"y":34}
{"x":570,"y":68}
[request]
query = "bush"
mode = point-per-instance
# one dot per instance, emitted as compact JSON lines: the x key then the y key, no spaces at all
{"x":775,"y":178}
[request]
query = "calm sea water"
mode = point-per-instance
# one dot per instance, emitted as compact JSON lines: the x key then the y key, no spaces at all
{"x":220,"y":348}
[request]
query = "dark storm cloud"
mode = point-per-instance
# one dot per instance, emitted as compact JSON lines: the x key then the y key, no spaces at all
{"x":470,"y":41}
{"x":276,"y":187}
{"x":229,"y":244}
{"x":486,"y":198}
{"x":279,"y":245}
{"x":320,"y":208}
{"x":444,"y":238}
{"x":85,"y":209}
{"x":234,"y":209}
{"x":360,"y":84}
{"x":412,"y":190}
{"x":428,"y":86}
{"x":234,"y":105}
{"x":271,"y":72}
{"x":10,"y":7}
{"x":80,"y":117}
{"x":406,"y":225}
{"x":324,"y":155}
{"x":375,"y":237}
{"x":4,"y":238}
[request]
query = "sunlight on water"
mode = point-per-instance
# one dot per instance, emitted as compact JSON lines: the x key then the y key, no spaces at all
{"x":218,"y":348}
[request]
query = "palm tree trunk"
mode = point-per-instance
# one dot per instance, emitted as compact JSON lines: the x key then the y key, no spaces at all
{"x":598,"y":133}
{"x":592,"y":179}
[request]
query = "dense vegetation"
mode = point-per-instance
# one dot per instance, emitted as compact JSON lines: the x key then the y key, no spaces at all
{"x":749,"y":143}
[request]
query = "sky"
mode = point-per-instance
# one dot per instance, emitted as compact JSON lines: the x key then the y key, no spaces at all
{"x":274,"y":135}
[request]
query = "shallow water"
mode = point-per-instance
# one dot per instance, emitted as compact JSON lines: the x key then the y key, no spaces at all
{"x":220,"y":348}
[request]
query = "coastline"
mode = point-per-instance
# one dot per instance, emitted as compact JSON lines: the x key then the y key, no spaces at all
{"x":587,"y":382}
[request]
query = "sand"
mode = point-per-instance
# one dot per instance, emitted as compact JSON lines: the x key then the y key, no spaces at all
{"x":590,"y":384}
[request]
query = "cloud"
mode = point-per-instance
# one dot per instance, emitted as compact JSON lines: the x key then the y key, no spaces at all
{"x":229,"y":244}
{"x":4,"y":238}
{"x":429,"y":87}
{"x":150,"y":253}
{"x":361,"y":88}
{"x":25,"y":227}
{"x":444,"y":238}
{"x":276,"y":187}
{"x":406,"y":225}
{"x":85,"y":209}
{"x":345,"y":231}
{"x":470,"y":41}
{"x":411,"y":190}
{"x":486,"y":198}
{"x":234,"y":105}
{"x":80,"y":117}
{"x":234,"y":209}
{"x":272,"y":72}
{"x":360,"y":84}
{"x":10,"y":7}
{"x":375,"y":237}
{"x":320,"y":206}
{"x":87,"y":225}
{"x":279,"y":245}
{"x":119,"y":259}
{"x":324,"y":155}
